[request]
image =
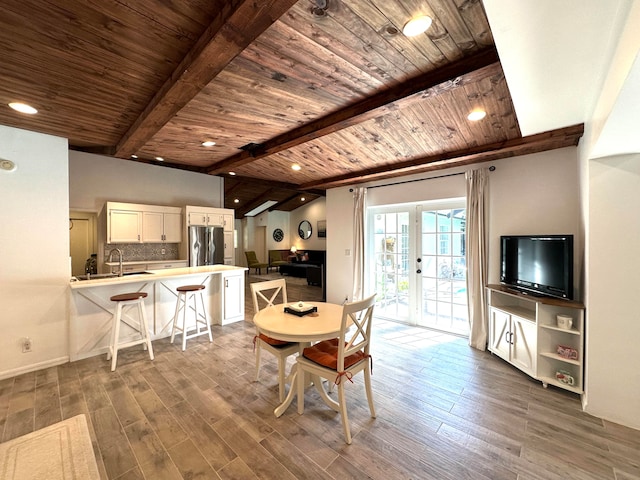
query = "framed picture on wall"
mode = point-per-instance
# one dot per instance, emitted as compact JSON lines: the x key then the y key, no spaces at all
{"x":322,"y":228}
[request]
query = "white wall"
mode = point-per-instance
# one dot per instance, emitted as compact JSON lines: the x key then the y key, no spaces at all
{"x":34,"y":251}
{"x":312,"y":211}
{"x":530,"y":194}
{"x":613,"y":321}
{"x":536,"y":194}
{"x":96,"y":179}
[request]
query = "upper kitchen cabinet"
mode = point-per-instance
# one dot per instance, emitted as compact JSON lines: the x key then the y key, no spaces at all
{"x":162,"y":225}
{"x":135,"y":223}
{"x":210,"y":217}
{"x":124,"y":226}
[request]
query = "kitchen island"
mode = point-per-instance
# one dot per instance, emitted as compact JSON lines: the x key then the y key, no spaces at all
{"x":91,"y":308}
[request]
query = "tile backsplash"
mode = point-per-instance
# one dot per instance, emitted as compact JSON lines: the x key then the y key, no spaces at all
{"x":134,"y":252}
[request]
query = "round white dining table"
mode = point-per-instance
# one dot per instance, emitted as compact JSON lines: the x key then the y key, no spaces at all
{"x":321,"y":325}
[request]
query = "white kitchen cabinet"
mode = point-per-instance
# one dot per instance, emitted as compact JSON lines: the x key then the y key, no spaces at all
{"x":232,"y":296}
{"x":227,"y":221}
{"x":523,"y":331}
{"x":229,"y":249}
{"x":210,"y":216}
{"x":136,"y":223}
{"x":162,"y":226}
{"x":124,"y":226}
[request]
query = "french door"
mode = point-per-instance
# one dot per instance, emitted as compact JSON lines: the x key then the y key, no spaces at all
{"x":416,"y":264}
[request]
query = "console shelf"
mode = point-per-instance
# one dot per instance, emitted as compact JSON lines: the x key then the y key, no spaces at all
{"x":524,"y":332}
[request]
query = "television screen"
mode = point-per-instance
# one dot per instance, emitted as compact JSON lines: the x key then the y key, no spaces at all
{"x":538,"y":263}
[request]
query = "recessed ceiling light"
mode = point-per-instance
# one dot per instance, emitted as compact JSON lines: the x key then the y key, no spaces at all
{"x":208,"y":143}
{"x":134,"y":156}
{"x":232,"y":173}
{"x":23,"y":108}
{"x":160,"y":159}
{"x":295,"y":167}
{"x":476,"y":115}
{"x":235,"y":200}
{"x":7,"y":165}
{"x":416,"y":26}
{"x":302,"y":199}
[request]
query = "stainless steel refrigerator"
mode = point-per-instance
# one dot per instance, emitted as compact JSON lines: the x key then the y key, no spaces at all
{"x":206,"y":245}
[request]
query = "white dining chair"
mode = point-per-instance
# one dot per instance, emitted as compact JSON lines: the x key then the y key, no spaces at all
{"x":339,"y":359}
{"x":266,"y":293}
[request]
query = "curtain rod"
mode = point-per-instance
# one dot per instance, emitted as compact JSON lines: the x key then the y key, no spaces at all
{"x":491,"y":169}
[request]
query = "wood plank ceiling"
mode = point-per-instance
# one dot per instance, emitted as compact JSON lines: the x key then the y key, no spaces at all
{"x":330,"y":85}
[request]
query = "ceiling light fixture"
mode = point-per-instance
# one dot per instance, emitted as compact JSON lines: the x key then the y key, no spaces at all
{"x":134,"y":156}
{"x":476,"y":115}
{"x":296,"y":167}
{"x":417,"y":25}
{"x":23,"y":108}
{"x":208,"y":143}
{"x":232,"y":173}
{"x":302,"y":199}
{"x":7,"y":165}
{"x":160,"y":159}
{"x":236,"y":200}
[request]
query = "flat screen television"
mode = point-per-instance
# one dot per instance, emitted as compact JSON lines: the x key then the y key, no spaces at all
{"x":540,"y":264}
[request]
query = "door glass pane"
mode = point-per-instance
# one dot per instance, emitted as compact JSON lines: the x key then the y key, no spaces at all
{"x":444,"y":295}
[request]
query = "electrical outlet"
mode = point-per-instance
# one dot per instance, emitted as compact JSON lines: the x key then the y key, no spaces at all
{"x":26,"y":345}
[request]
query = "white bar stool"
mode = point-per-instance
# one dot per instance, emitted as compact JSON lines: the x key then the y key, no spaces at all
{"x":123,"y":300}
{"x":188,"y":293}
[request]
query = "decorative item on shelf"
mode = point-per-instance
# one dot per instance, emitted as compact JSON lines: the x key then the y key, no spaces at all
{"x":565,"y":377}
{"x":300,"y":309}
{"x":567,"y":352}
{"x":564,"y":321}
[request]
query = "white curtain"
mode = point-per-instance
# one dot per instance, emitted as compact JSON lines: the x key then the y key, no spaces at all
{"x":477,"y":252}
{"x":359,"y":208}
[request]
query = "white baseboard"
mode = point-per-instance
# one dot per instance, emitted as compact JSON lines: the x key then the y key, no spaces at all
{"x":33,"y":367}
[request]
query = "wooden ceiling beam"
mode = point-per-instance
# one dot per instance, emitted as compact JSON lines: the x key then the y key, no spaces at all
{"x":551,"y":140}
{"x":233,"y":30}
{"x":248,"y":181}
{"x":452,"y":75}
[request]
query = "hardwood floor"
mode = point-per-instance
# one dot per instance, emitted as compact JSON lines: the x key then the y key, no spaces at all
{"x":444,"y":411}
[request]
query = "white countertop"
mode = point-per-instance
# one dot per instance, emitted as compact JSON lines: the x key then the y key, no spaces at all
{"x":153,"y":275}
{"x":148,"y":262}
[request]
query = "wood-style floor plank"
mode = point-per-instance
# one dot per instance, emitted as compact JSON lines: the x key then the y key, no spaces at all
{"x":444,"y":411}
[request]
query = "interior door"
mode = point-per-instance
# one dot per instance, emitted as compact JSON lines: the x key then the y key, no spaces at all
{"x":82,"y":239}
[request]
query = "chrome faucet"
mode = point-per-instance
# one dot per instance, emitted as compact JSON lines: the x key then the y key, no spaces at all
{"x":120,"y":256}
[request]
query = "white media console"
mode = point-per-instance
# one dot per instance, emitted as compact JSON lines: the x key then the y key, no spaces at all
{"x":523,"y":330}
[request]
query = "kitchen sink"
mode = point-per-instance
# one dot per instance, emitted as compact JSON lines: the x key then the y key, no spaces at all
{"x":96,"y":276}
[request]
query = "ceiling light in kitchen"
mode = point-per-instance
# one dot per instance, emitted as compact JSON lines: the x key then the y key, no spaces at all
{"x":160,"y":159}
{"x":476,"y":115}
{"x":236,"y":200}
{"x":296,"y":167}
{"x":208,"y":143}
{"x":232,"y":173}
{"x":416,"y":26}
{"x":302,"y":199}
{"x":23,"y":108}
{"x":134,"y":156}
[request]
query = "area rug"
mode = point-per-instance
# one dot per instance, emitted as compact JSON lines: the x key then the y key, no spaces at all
{"x":61,"y":451}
